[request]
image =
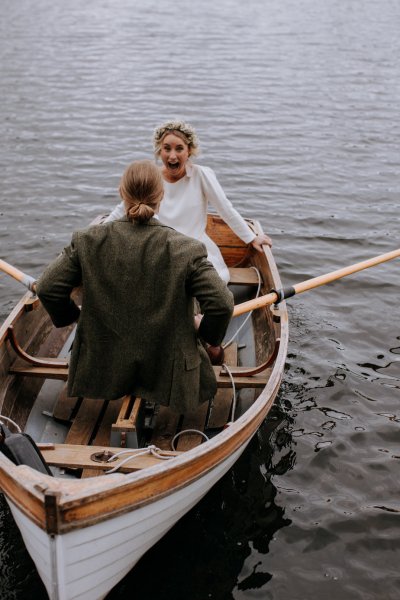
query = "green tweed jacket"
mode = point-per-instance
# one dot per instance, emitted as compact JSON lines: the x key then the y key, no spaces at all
{"x":135,"y":330}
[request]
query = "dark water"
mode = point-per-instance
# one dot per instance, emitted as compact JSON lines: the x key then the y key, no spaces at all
{"x":296,"y":104}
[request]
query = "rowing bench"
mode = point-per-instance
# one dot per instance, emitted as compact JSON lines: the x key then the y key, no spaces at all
{"x":97,"y":458}
{"x":58,"y":369}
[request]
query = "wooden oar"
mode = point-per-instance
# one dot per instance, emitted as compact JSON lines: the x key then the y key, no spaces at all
{"x":276,"y":296}
{"x":26,"y":280}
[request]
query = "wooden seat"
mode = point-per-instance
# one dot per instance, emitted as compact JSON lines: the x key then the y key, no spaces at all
{"x":253,"y":381}
{"x":94,"y":458}
{"x":44,"y":372}
{"x":243,"y":276}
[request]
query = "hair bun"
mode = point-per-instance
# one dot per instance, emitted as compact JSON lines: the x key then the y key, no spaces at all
{"x":140,"y":212}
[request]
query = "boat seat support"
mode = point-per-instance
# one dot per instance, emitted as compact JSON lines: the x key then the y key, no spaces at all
{"x":128,"y":430}
{"x":47,"y":368}
{"x":250,"y":371}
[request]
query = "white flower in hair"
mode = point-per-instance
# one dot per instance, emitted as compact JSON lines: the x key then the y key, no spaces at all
{"x":187,"y":130}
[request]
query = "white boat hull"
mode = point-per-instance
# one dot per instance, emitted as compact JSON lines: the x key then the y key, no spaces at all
{"x":85,"y":534}
{"x":86,"y":564}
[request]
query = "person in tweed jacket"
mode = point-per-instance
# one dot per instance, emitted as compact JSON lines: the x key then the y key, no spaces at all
{"x":136,"y":331}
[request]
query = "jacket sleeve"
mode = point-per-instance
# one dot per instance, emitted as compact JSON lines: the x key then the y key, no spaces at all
{"x":216,"y":301}
{"x":56,"y":284}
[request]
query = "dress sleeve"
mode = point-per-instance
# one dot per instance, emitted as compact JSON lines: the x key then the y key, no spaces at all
{"x":216,"y":197}
{"x":117,"y":213}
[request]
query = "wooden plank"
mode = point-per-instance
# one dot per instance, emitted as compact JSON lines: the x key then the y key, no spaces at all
{"x":110,"y":416}
{"x":128,"y":415}
{"x":63,"y":374}
{"x":78,"y":456}
{"x":233,"y":249}
{"x":65,"y":407}
{"x":254,"y":381}
{"x":192,"y":420}
{"x":128,"y":428}
{"x":85,"y":422}
{"x":221,"y":405}
{"x":243,"y":276}
{"x":43,"y":372}
{"x":103,"y":433}
{"x":196,"y":420}
{"x":222,"y":234}
{"x":165,"y":428}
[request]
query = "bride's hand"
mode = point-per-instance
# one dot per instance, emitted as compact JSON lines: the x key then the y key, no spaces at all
{"x":261,"y":240}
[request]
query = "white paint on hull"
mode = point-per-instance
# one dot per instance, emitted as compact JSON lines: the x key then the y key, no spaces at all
{"x":86,"y":564}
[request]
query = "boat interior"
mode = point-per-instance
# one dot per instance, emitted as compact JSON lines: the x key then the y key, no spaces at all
{"x":81,"y":437}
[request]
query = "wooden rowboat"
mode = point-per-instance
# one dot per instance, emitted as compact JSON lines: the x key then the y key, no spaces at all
{"x":86,"y":527}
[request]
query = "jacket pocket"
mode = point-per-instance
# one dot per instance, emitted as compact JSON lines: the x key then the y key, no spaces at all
{"x":192,"y":361}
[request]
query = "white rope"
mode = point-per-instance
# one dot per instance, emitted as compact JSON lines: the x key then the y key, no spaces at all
{"x":149,"y":450}
{"x":17,"y":427}
{"x":234,"y":391}
{"x":250,"y":313}
{"x":187,"y":431}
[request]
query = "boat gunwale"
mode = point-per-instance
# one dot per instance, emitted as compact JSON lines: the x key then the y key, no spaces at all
{"x":77,"y":500}
{"x":74,"y":496}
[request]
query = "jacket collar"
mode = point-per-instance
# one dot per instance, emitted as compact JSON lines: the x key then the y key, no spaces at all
{"x":153,"y":221}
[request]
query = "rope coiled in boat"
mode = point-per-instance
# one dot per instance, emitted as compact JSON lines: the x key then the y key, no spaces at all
{"x":154,"y":450}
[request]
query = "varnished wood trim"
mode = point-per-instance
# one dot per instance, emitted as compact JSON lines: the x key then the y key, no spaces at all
{"x":35,"y":361}
{"x":86,"y":502}
{"x":250,"y":371}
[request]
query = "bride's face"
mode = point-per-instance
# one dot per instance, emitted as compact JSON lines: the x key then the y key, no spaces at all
{"x":174,"y":154}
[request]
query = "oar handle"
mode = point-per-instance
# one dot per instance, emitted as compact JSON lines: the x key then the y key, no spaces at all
{"x":25,"y":279}
{"x":309,"y":284}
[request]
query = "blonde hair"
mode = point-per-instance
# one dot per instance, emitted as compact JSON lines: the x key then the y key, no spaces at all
{"x":141,"y":189}
{"x":183,"y":130}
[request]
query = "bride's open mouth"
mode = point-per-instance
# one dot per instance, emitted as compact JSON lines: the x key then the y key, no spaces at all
{"x":173,"y":166}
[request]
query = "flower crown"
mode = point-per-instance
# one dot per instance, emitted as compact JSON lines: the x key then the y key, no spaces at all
{"x":187,"y":130}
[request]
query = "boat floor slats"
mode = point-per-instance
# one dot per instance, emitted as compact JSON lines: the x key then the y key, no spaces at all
{"x":102,"y":437}
{"x":243,"y":276}
{"x":195,"y":420}
{"x":110,"y":417}
{"x":65,"y":407}
{"x":166,"y":425}
{"x":85,"y":422}
{"x":77,"y":456}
